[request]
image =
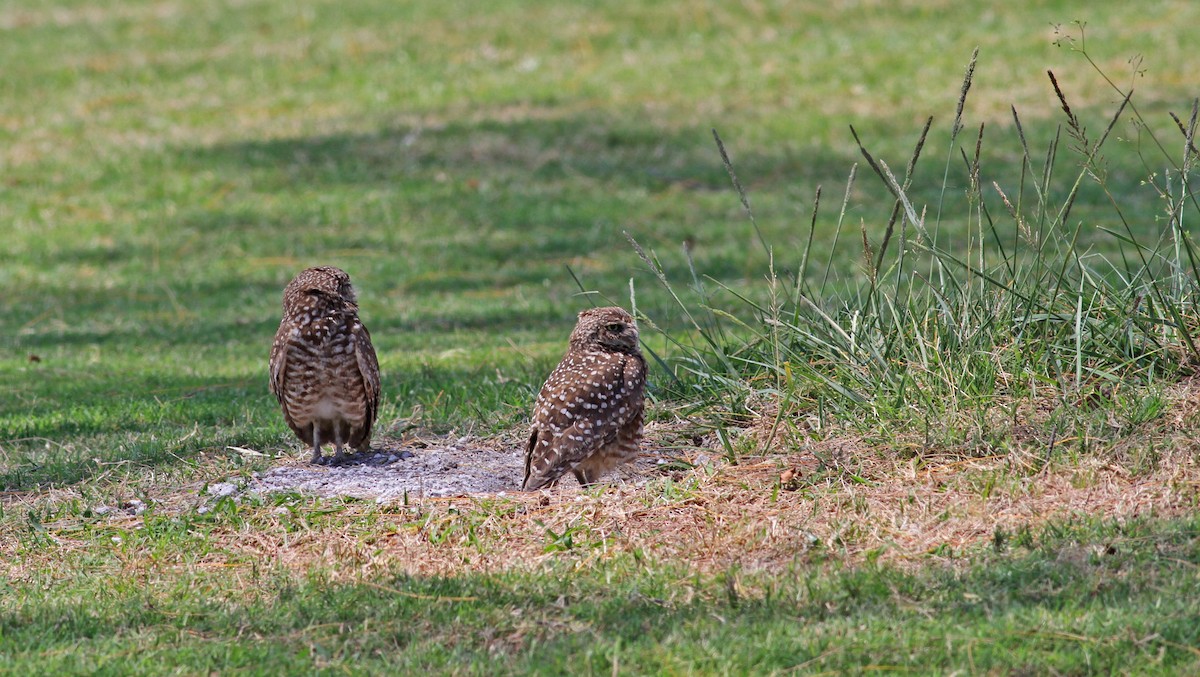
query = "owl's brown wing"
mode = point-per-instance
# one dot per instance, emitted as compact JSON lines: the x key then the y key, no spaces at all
{"x":368,"y":367}
{"x":548,"y":457}
{"x":578,"y":412}
{"x":279,"y":364}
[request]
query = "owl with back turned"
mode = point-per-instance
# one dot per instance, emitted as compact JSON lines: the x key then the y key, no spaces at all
{"x":588,"y":416}
{"x":323,"y":367}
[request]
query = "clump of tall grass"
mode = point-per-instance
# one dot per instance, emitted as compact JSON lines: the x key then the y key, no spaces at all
{"x":1041,"y":314}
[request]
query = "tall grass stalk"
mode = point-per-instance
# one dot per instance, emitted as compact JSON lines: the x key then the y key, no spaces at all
{"x":1023,"y":312}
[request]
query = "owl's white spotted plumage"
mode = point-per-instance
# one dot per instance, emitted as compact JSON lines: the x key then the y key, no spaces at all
{"x":588,"y":416}
{"x":323,"y":367}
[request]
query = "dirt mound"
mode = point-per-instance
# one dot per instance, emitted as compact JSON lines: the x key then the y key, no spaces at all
{"x":428,"y":468}
{"x":389,"y":472}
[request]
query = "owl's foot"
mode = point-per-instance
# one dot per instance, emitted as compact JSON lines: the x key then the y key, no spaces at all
{"x":338,"y":457}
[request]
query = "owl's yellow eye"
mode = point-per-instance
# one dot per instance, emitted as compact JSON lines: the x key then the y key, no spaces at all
{"x":616,"y":327}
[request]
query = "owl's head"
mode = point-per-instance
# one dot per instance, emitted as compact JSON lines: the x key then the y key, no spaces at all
{"x":324,"y":286}
{"x":608,"y":328}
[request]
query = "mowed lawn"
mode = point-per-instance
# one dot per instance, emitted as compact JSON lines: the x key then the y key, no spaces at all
{"x":166,"y":167}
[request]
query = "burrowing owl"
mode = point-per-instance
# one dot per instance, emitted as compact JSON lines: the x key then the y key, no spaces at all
{"x":588,"y":417}
{"x":323,"y":366}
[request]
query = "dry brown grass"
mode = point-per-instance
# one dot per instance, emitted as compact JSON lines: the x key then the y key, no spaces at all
{"x":726,"y":516}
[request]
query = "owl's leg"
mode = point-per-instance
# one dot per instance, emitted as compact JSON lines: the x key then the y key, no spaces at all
{"x":585,"y":475}
{"x":316,"y":438}
{"x":591,"y":469}
{"x":338,"y":454}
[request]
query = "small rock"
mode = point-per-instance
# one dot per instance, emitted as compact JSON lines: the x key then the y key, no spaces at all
{"x":101,"y":510}
{"x":203,"y":510}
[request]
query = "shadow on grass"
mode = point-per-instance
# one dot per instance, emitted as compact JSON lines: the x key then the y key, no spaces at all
{"x":530,"y":152}
{"x":500,"y":204}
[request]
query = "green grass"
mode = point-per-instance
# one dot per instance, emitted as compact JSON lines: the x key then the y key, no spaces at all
{"x":165,"y":168}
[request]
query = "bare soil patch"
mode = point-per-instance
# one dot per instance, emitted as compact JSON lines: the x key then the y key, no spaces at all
{"x":429,"y":467}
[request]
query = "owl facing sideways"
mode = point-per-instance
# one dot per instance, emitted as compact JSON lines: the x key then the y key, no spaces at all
{"x":588,"y":416}
{"x":323,"y":367}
